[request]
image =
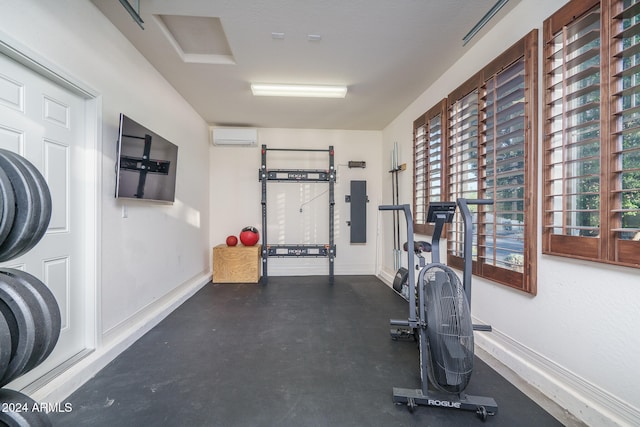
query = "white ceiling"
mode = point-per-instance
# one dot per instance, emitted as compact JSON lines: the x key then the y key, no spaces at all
{"x":386,"y":51}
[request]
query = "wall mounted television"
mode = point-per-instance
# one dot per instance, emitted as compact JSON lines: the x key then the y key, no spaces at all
{"x":146,"y":168}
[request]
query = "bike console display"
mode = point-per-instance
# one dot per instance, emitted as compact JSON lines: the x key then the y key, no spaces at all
{"x":444,"y":210}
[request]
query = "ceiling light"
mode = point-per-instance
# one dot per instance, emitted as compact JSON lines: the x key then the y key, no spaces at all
{"x":309,"y":91}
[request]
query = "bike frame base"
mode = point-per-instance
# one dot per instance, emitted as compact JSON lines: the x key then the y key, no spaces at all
{"x":467,"y":402}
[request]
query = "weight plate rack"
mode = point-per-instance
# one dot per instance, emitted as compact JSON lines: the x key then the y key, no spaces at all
{"x":328,"y":176}
{"x":30,"y":319}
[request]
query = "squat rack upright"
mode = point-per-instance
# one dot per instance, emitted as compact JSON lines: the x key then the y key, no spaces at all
{"x":297,"y":175}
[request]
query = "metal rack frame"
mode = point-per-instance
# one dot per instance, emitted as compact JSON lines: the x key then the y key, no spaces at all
{"x":297,"y":175}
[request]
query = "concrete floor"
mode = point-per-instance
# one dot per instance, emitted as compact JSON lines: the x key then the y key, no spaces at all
{"x":296,"y":352}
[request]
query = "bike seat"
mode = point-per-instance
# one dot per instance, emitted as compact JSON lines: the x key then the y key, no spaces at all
{"x":418,"y":246}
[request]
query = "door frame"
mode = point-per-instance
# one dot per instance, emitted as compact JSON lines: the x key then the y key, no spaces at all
{"x":91,"y":192}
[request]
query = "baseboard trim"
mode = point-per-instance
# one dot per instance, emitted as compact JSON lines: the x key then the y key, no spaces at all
{"x":582,"y":399}
{"x":115,"y":342}
{"x":387,"y":276}
{"x":315,"y":270}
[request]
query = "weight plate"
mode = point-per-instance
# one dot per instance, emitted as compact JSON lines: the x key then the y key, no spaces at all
{"x":7,"y":206}
{"x":42,"y":325}
{"x":2,"y":200}
{"x":20,"y":304}
{"x":48,"y":305}
{"x":22,"y":411}
{"x":41,"y":190}
{"x":30,"y":174}
{"x":5,"y":345}
{"x":12,"y":324}
{"x":25,"y":222}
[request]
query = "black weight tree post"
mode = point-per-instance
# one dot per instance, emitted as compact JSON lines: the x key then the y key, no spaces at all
{"x":297,"y":175}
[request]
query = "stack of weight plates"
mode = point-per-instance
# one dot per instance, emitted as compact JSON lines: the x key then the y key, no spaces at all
{"x":29,"y":314}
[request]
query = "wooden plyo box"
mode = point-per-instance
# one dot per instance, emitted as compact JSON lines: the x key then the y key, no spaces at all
{"x":236,"y":264}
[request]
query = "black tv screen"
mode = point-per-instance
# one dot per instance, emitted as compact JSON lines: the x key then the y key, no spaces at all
{"x":147,"y":163}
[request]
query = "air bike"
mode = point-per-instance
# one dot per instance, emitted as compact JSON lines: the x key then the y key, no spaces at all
{"x":440,"y":316}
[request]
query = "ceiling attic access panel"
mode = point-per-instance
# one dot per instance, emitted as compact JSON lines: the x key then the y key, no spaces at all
{"x":197,"y":39}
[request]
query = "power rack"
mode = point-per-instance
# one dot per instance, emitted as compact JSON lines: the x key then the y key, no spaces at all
{"x":297,"y":175}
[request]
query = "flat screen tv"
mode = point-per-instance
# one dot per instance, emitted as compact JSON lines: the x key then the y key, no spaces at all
{"x":146,"y":168}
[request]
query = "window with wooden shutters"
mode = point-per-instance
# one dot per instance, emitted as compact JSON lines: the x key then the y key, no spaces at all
{"x":492,"y":155}
{"x":592,"y":132}
{"x":429,"y":136}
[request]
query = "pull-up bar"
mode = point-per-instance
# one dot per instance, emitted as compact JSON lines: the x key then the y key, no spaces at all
{"x":297,"y":149}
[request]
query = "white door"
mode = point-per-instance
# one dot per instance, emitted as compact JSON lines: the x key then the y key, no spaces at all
{"x":45,"y":123}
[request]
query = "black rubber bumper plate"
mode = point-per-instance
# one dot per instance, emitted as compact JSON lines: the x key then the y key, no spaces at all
{"x":49,"y":329}
{"x":7,"y":206}
{"x":19,"y":302}
{"x":26,"y":220}
{"x":42,"y":199}
{"x":22,"y":411}
{"x":5,"y":343}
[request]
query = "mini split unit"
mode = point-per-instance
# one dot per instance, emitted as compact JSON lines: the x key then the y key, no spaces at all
{"x":234,"y":136}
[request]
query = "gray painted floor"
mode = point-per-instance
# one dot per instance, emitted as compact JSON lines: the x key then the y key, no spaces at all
{"x":296,"y":352}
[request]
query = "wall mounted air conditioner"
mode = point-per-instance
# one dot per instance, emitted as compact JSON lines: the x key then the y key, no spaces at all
{"x":234,"y":136}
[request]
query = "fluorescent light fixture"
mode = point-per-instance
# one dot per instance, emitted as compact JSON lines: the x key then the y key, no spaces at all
{"x":483,"y":21}
{"x":308,"y":91}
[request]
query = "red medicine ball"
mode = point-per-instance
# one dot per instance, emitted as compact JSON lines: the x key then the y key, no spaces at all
{"x":249,"y":236}
{"x":232,"y":241}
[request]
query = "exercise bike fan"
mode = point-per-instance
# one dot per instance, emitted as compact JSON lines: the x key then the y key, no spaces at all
{"x":449,"y":330}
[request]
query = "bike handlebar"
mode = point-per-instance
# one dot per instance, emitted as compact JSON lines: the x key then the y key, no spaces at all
{"x":477,"y":201}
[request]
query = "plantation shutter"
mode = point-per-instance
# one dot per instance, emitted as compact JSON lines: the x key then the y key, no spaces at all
{"x":420,"y":178}
{"x":429,"y":137}
{"x":435,"y":159}
{"x":503,"y":174}
{"x":625,"y":158}
{"x":463,"y":165}
{"x":573,"y":131}
{"x":592,"y":153}
{"x":493,"y":156}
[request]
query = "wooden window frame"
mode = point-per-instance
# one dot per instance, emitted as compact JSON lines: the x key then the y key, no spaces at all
{"x":527,"y":49}
{"x":606,"y":247}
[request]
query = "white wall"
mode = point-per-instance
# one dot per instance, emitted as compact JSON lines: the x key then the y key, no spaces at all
{"x":236,"y":195}
{"x":578,"y":339}
{"x":160,"y":253}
